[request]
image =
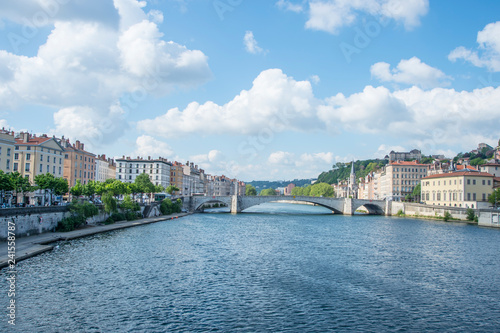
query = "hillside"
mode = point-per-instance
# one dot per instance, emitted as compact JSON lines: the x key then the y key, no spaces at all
{"x":343,"y":170}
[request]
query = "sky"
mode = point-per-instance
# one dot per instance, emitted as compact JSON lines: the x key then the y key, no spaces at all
{"x":254,"y":90}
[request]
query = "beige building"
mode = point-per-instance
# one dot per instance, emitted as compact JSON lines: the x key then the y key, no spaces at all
{"x":37,"y":155}
{"x":7,"y":143}
{"x":400,"y":178}
{"x":79,"y":164}
{"x":176,"y":176}
{"x":469,"y":189}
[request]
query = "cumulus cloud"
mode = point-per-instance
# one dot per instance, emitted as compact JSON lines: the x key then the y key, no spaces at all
{"x":307,"y":165}
{"x":412,"y":72}
{"x":332,"y":15}
{"x":289,"y":6}
{"x":148,"y":146}
{"x":275,"y":102}
{"x":251,"y":44}
{"x":489,"y":47}
{"x":86,"y":66}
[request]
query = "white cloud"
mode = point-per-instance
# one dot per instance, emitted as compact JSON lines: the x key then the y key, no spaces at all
{"x":384,"y":150}
{"x":315,"y":79}
{"x":489,"y":45}
{"x":281,"y":157}
{"x":147,"y":146}
{"x":251,"y":44}
{"x":86,"y":66}
{"x":290,"y":165}
{"x":332,"y":15}
{"x":289,"y":6}
{"x":95,"y":127}
{"x":412,"y":72}
{"x":275,"y":102}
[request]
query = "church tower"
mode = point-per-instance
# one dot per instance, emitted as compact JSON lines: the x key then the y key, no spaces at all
{"x":352,"y":190}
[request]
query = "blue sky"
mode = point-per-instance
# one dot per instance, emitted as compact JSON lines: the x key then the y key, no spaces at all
{"x":258,"y":90}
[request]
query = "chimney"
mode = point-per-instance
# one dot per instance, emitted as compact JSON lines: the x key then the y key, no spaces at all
{"x":149,"y":158}
{"x":25,"y":137}
{"x":78,"y":144}
{"x":81,"y":146}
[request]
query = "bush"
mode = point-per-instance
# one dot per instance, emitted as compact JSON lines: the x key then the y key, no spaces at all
{"x":447,"y":216}
{"x":109,"y":202}
{"x":130,"y":216}
{"x":117,"y":217}
{"x":470,"y":214}
{"x":400,"y":213}
{"x":85,"y":209}
{"x":70,"y":223}
{"x":129,"y":205}
{"x":168,"y":207}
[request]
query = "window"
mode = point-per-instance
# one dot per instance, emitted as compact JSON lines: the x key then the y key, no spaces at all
{"x":59,"y":170}
{"x":16,"y":156}
{"x":489,"y":181}
{"x":60,"y":160}
{"x":484,"y":196}
{"x":8,"y":151}
{"x":16,"y":148}
{"x":468,"y":181}
{"x":473,"y":182}
{"x":439,"y":196}
{"x":66,"y":156}
{"x":27,"y":167}
{"x":120,"y":176}
{"x":473,"y":196}
{"x":80,"y":173}
{"x":28,"y":148}
{"x":15,"y":166}
{"x":28,"y":157}
{"x":41,"y":168}
{"x":484,"y":182}
{"x":136,"y":170}
{"x":48,"y":159}
{"x":48,"y":168}
{"x":468,"y":196}
{"x":8,"y":164}
{"x":54,"y":160}
{"x":41,"y":158}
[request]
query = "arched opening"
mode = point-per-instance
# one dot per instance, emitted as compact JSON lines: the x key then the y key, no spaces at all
{"x":294,"y":207}
{"x":369,"y":209}
{"x":214,"y":206}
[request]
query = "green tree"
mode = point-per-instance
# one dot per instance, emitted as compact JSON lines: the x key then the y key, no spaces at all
{"x":89,"y":189}
{"x":129,"y":204}
{"x":171,"y":189}
{"x":116,"y":187}
{"x":268,"y":191}
{"x":77,"y":190}
{"x":6,"y":183}
{"x":21,"y":184}
{"x":297,"y":191}
{"x":109,"y":202}
{"x":250,"y":190}
{"x":53,"y":185}
{"x":470,"y":214}
{"x":477,"y":161}
{"x":144,"y":184}
{"x":158,"y":189}
{"x":494,"y":198}
{"x":321,"y":190}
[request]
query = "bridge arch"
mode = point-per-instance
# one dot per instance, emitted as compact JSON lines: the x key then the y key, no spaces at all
{"x":373,"y":207}
{"x":336,"y":206}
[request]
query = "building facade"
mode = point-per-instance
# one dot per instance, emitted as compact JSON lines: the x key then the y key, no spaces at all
{"x":491,"y":168}
{"x":414,"y":154}
{"x":79,"y":164}
{"x":7,"y":143}
{"x":469,"y":189}
{"x":105,"y":168}
{"x":399,"y":179}
{"x":158,"y":170}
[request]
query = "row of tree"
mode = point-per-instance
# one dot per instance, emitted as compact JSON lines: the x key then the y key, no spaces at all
{"x":59,"y":186}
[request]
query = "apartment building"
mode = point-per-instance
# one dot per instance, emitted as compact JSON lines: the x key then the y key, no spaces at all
{"x":105,"y":168}
{"x":7,"y":143}
{"x":400,"y":178}
{"x":469,"y":189}
{"x":193,"y":180}
{"x":491,"y":168}
{"x":37,"y":155}
{"x":79,"y":164}
{"x":158,"y":170}
{"x":176,"y":176}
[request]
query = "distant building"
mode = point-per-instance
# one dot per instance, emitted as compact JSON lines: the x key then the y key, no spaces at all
{"x":400,"y":178}
{"x":289,"y":188}
{"x":280,"y":190}
{"x":176,"y":176}
{"x":491,"y":168}
{"x":414,"y":154}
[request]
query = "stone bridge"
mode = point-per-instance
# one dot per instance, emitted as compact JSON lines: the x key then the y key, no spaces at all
{"x":237,"y":204}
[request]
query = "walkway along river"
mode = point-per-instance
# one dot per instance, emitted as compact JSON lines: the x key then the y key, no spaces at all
{"x":266,"y":272}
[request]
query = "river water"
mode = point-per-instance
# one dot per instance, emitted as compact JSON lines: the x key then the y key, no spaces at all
{"x":272,"y":272}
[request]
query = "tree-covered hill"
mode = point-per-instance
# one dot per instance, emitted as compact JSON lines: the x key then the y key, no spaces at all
{"x":342,"y":171}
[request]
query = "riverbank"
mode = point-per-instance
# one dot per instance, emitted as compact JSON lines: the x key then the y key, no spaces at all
{"x":30,"y":246}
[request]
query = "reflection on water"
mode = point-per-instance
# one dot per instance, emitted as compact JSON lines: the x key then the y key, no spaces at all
{"x":267,"y":273}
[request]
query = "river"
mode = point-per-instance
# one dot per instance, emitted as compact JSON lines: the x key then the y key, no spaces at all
{"x":266,"y":272}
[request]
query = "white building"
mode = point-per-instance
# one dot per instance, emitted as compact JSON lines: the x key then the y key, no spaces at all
{"x":158,"y":170}
{"x":104,"y":168}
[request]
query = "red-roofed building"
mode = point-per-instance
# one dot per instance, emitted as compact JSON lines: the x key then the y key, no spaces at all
{"x":492,"y":168}
{"x":468,"y":188}
{"x":79,"y":164}
{"x":36,"y":155}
